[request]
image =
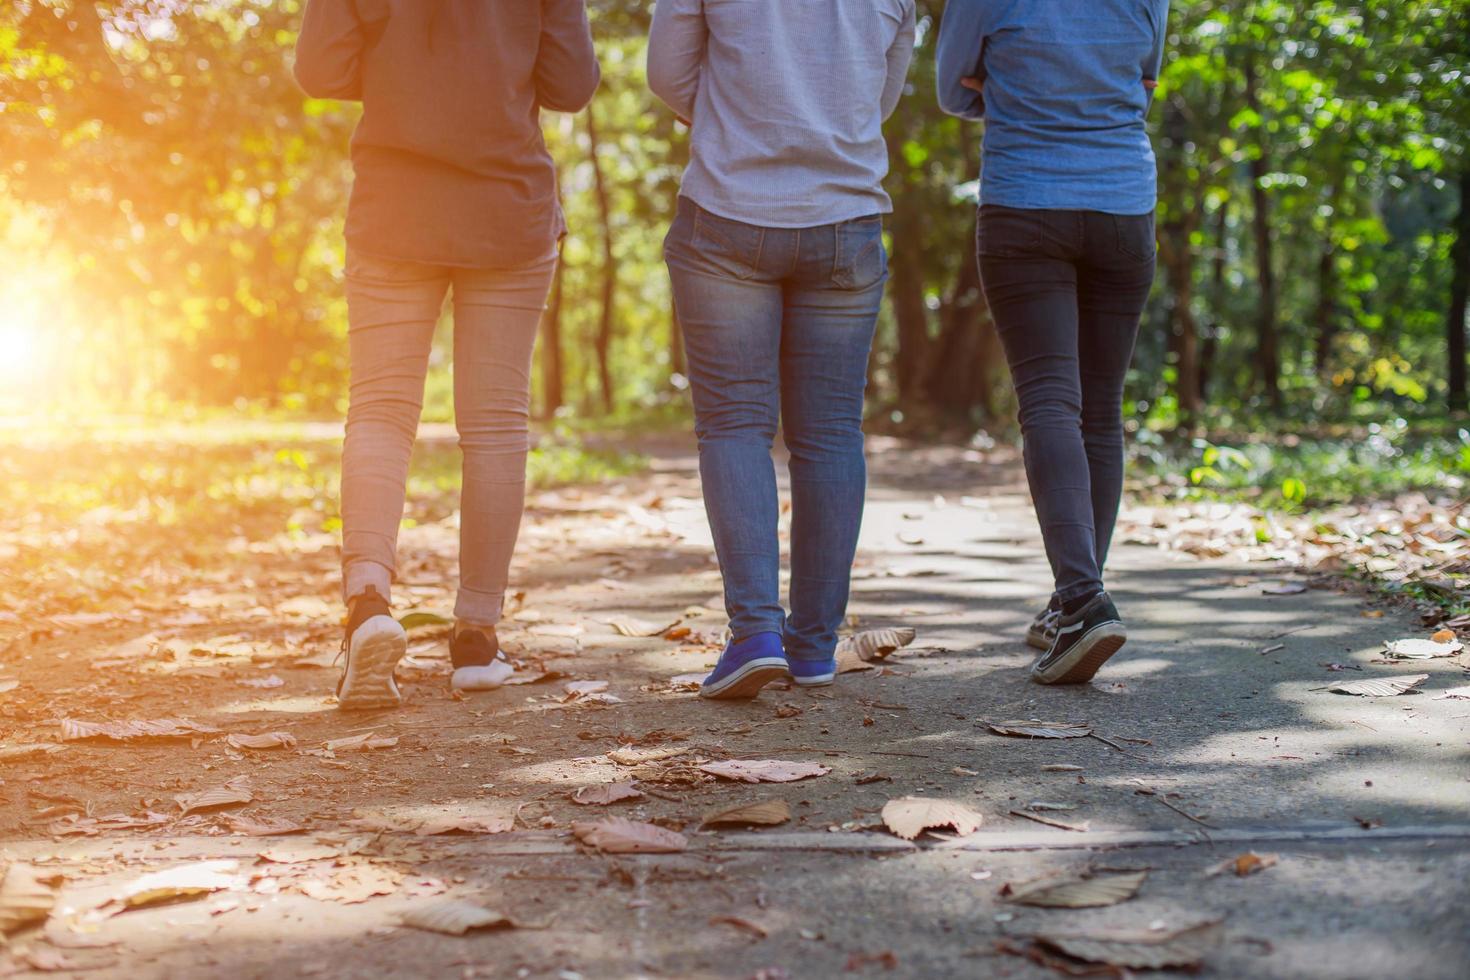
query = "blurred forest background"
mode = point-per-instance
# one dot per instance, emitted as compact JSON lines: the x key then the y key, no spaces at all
{"x":171,"y":210}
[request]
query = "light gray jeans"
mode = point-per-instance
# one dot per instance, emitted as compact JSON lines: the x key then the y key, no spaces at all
{"x":392,"y":309}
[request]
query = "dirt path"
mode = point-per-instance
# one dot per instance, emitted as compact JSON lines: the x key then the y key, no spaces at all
{"x":1214,"y":736}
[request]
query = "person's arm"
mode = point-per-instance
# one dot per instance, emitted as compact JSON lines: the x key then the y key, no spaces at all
{"x":900,"y":54}
{"x":957,"y":59}
{"x":676,"y":43}
{"x":567,"y":72}
{"x":1155,"y":62}
{"x":329,"y":50}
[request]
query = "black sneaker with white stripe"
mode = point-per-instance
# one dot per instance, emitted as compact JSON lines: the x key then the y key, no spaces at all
{"x":1043,"y":629}
{"x":1084,"y":642}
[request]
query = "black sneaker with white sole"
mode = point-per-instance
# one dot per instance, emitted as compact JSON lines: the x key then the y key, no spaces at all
{"x":374,"y":644}
{"x":1084,"y":642}
{"x":479,"y":665}
{"x":1043,"y":629}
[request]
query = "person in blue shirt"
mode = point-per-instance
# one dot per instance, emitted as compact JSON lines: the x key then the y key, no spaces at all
{"x":1066,"y":250}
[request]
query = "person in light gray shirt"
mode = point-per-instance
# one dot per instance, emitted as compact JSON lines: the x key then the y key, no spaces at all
{"x":777,"y":264}
{"x":787,"y":100}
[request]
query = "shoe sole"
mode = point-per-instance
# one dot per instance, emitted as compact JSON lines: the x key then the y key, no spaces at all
{"x":377,"y":646}
{"x":486,"y":678}
{"x":821,"y":680}
{"x":1086,"y":657}
{"x":746,"y":682}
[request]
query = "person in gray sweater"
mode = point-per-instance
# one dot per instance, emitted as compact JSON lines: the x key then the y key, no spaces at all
{"x":777,"y":262}
{"x":455,"y":193}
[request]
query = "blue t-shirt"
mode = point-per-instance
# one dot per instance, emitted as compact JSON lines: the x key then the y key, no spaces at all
{"x":1066,"y":87}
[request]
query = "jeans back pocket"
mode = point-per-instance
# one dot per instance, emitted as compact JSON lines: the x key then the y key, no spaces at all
{"x":1136,"y":238}
{"x":1009,"y":231}
{"x":731,"y":246}
{"x":859,"y":259}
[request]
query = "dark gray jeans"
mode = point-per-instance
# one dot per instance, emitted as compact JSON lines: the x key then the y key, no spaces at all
{"x":1066,"y":289}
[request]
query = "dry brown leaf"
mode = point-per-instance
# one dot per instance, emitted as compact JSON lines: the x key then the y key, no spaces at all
{"x":607,"y":793}
{"x":123,"y":731}
{"x":762,"y":813}
{"x":263,"y":826}
{"x":632,"y":626}
{"x":365,"y":742}
{"x":1380,"y":687}
{"x":23,"y":749}
{"x":26,"y":898}
{"x":353,"y":884}
{"x":1245,"y":864}
{"x":182,"y":883}
{"x":1076,"y":893}
{"x":687,"y":682}
{"x":233,"y":793}
{"x":754,"y":928}
{"x":764,"y":770}
{"x":453,"y":917}
{"x":912,"y":815}
{"x":1177,"y":949}
{"x":298,"y":853}
{"x":861,"y":650}
{"x":1416,"y":649}
{"x":1445,"y":635}
{"x":267,"y":740}
{"x":628,"y":755}
{"x":1040,"y":729}
{"x":488,"y":823}
{"x":619,"y":836}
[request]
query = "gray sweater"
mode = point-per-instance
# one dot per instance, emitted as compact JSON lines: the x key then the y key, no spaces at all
{"x":451,"y":168}
{"x":787,"y":100}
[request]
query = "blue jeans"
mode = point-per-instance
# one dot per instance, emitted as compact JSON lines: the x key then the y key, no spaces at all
{"x":778,"y":324}
{"x":1067,"y":289}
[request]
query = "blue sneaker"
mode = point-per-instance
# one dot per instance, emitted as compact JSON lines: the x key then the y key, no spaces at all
{"x":813,"y":673}
{"x":746,"y":667}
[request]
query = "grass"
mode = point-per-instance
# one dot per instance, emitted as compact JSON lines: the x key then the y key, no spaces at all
{"x":1290,"y":472}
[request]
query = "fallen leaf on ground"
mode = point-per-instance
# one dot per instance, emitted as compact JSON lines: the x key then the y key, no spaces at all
{"x":606,"y":793}
{"x":298,"y":853}
{"x":122,"y":731}
{"x":1179,"y":949}
{"x":416,"y":620}
{"x":1076,"y":893}
{"x":1284,"y":588}
{"x":1040,"y":729}
{"x":1444,"y":636}
{"x":1061,"y":767}
{"x":912,"y":815}
{"x":628,"y":755}
{"x":1380,"y":687}
{"x":754,"y":928}
{"x":263,"y":826}
{"x":492,"y":823}
{"x":8,"y":685}
{"x":23,"y":749}
{"x":861,"y":650}
{"x":619,"y":836}
{"x":182,"y":883}
{"x":454,"y":917}
{"x":762,"y":813}
{"x":1455,"y":693}
{"x":687,"y":682}
{"x":365,"y":742}
{"x":1246,"y":864}
{"x":233,"y":793}
{"x":353,"y":884}
{"x":264,"y":682}
{"x":26,"y":898}
{"x":632,"y":626}
{"x":885,"y":959}
{"x":1416,"y":649}
{"x":764,"y":770}
{"x":268,"y":740}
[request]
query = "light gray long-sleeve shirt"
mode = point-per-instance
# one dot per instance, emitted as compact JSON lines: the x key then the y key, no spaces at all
{"x":786,"y":99}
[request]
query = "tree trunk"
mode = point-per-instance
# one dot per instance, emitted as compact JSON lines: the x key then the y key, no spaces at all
{"x":1324,"y":318}
{"x":1211,"y":345}
{"x":1268,"y":354}
{"x":602,"y":343}
{"x":906,"y":279}
{"x":1459,"y":296}
{"x":553,"y":385}
{"x":1176,"y":253}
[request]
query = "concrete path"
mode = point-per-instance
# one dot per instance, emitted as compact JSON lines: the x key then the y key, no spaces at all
{"x":1217,"y":738}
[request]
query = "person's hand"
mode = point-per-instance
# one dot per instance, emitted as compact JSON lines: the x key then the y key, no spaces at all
{"x":973,"y":84}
